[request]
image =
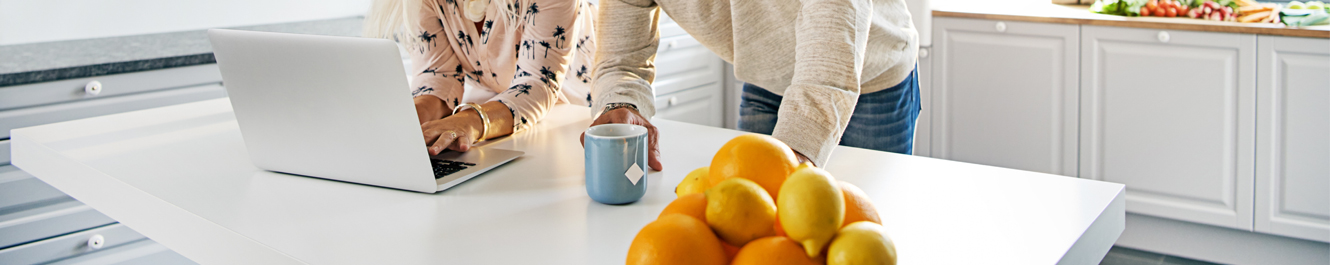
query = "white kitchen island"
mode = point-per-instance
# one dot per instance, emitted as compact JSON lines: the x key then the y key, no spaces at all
{"x":181,"y":176}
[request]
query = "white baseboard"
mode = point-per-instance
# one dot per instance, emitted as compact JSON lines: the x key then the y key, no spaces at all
{"x":1217,"y":244}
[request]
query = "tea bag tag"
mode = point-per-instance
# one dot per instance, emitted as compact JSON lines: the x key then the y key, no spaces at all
{"x":634,"y":173}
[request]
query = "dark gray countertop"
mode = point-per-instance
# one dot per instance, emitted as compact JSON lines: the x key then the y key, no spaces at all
{"x":51,"y":61}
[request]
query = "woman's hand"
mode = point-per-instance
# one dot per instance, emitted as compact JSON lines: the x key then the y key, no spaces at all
{"x":458,"y":132}
{"x":429,"y":108}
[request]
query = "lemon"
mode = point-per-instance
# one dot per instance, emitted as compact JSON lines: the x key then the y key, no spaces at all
{"x":694,"y":182}
{"x":739,"y":211}
{"x":811,"y":208}
{"x":862,"y":242}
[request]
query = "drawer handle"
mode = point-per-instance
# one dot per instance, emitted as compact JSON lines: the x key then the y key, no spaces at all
{"x":923,"y":53}
{"x":96,"y":242}
{"x":1163,"y":36}
{"x":92,"y":88}
{"x":671,"y":45}
{"x":1000,"y":26}
{"x":672,"y":101}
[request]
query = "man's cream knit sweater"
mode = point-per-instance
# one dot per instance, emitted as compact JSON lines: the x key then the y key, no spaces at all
{"x":819,"y":54}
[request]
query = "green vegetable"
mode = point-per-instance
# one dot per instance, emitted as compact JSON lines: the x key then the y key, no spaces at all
{"x":1315,"y":5}
{"x":1117,"y":7}
{"x":1315,"y":18}
{"x":1296,"y":5}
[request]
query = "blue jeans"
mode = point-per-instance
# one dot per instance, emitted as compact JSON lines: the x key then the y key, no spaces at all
{"x":882,"y":120}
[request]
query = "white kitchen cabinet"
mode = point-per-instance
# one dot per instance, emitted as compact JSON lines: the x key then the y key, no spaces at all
{"x":689,"y":79}
{"x":700,"y":105}
{"x":1293,"y":137}
{"x":1004,"y":94}
{"x":1171,"y":115}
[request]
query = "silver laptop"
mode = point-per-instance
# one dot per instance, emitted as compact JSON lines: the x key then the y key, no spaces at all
{"x":335,"y":108}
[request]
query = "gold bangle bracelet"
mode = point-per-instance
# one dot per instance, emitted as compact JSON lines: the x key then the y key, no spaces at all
{"x":484,"y":119}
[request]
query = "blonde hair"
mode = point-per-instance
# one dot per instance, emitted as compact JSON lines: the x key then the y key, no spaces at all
{"x":389,"y":18}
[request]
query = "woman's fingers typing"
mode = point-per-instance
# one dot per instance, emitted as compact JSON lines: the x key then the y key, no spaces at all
{"x":444,"y":140}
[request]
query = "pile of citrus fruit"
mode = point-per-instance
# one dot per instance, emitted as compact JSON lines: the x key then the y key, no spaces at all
{"x":756,"y":205}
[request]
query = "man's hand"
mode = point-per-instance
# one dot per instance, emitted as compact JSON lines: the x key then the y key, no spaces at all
{"x":802,"y":159}
{"x":630,"y":116}
{"x":429,"y":108}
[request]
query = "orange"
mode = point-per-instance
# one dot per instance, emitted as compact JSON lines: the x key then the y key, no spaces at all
{"x":694,"y":205}
{"x":676,"y":239}
{"x":780,"y":231}
{"x":757,"y":157}
{"x":773,"y":250}
{"x":858,"y":207}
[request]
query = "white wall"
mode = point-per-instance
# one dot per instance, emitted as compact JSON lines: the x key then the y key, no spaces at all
{"x":28,"y":21}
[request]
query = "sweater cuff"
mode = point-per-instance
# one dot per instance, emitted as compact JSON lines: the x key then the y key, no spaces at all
{"x":811,"y":138}
{"x":644,"y":101}
{"x":812,"y":118}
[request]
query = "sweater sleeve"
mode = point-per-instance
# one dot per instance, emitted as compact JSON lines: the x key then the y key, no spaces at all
{"x":626,"y":40}
{"x":830,"y":36}
{"x":438,"y":72}
{"x":544,"y":54}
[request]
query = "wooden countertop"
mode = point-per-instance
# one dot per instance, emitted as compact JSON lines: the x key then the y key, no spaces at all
{"x":1047,"y":12}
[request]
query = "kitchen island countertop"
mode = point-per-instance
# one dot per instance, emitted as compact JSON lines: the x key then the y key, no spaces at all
{"x":181,"y":176}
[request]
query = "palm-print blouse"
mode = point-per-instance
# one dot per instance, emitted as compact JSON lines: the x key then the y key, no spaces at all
{"x":533,"y":57}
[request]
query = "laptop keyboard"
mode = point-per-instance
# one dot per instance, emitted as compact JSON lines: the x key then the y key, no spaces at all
{"x":447,"y":167}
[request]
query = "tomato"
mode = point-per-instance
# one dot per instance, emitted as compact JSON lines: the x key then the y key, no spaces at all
{"x":1170,"y":12}
{"x":1152,"y":5}
{"x":1145,"y":12}
{"x":1182,"y":9}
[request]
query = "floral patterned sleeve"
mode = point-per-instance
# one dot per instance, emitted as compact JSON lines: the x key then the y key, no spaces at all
{"x":438,"y":70}
{"x":545,"y":51}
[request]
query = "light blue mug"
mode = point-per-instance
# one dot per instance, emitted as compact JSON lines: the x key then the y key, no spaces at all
{"x":616,"y":163}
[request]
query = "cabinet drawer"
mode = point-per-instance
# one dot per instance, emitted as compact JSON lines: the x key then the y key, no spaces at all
{"x":45,"y":219}
{"x":683,"y":63}
{"x":69,"y":245}
{"x":139,"y":252}
{"x":681,"y":53}
{"x":20,"y":118}
{"x":699,"y":105}
{"x":46,"y":93}
{"x":17,"y":188}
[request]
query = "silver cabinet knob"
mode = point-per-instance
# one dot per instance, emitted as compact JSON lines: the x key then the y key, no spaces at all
{"x":96,"y":242}
{"x":92,"y":88}
{"x":1163,"y":36}
{"x":670,"y":45}
{"x":923,"y":52}
{"x":672,"y":101}
{"x":1000,"y":27}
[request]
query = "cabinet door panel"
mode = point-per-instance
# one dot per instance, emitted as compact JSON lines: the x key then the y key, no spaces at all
{"x":1293,"y":138}
{"x":700,"y":105}
{"x":1005,"y":95}
{"x":1170,"y":114}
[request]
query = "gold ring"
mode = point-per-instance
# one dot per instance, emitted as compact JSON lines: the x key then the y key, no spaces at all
{"x":452,"y":134}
